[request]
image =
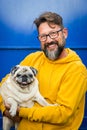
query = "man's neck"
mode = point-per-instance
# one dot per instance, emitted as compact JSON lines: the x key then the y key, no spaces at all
{"x":63,"y":54}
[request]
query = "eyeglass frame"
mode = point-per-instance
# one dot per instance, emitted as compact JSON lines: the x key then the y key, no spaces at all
{"x":46,"y":35}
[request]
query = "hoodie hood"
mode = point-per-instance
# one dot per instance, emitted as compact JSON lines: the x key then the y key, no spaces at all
{"x":72,"y":56}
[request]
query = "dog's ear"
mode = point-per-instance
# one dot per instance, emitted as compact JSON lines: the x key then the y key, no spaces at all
{"x":34,"y":70}
{"x":14,"y":69}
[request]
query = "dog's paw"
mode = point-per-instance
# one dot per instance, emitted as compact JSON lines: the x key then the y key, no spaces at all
{"x":54,"y":104}
{"x":12,"y":112}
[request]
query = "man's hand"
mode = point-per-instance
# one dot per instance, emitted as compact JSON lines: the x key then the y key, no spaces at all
{"x":7,"y":114}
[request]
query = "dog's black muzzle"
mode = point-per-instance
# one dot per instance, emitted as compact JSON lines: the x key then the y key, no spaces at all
{"x":24,"y":78}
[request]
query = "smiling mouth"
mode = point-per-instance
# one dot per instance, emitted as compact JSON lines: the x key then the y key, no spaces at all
{"x":51,"y":47}
{"x":24,"y":83}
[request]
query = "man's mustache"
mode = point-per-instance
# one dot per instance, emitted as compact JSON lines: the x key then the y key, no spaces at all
{"x":51,"y":43}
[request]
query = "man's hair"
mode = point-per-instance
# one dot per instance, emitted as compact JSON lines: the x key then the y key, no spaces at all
{"x":50,"y":18}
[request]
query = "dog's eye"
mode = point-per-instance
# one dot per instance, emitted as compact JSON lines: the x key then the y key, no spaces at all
{"x":18,"y":75}
{"x":30,"y":75}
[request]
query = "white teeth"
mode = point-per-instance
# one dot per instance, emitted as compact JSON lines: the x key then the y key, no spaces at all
{"x":51,"y":45}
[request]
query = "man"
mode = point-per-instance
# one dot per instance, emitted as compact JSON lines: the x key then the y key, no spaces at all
{"x":62,"y":79}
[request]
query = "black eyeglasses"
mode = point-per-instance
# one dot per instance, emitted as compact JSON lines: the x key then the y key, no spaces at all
{"x":52,"y":35}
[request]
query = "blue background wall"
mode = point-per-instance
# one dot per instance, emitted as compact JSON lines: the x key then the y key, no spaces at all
{"x":18,"y":33}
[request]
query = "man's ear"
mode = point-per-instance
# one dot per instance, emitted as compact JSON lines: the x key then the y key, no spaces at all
{"x":65,"y":32}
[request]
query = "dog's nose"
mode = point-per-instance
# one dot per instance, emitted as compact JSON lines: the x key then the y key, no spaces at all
{"x":24,"y":78}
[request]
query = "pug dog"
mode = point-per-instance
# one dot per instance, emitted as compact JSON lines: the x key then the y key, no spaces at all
{"x":21,"y":88}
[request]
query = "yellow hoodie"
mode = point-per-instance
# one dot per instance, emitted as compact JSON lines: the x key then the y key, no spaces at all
{"x":63,"y":81}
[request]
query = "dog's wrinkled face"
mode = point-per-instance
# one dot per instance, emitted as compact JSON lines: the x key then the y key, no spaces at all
{"x":23,"y":75}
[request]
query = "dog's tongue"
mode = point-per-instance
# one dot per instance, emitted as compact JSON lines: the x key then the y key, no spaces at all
{"x":24,"y":83}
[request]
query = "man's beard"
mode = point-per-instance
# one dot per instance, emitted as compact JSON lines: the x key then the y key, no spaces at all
{"x":53,"y":54}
